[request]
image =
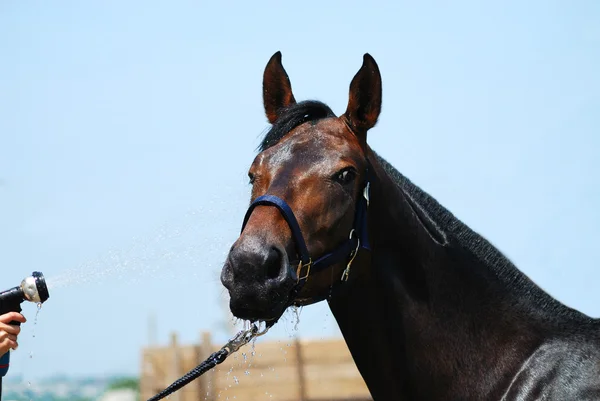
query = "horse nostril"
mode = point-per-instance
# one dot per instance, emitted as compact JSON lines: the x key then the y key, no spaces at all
{"x":227,"y":276}
{"x":273,"y":263}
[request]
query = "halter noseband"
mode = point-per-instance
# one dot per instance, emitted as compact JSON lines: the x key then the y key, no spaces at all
{"x":348,"y":250}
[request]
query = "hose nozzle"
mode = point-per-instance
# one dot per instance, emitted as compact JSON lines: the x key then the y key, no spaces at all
{"x":32,"y":289}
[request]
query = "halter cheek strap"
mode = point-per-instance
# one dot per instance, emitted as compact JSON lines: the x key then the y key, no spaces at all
{"x":358,"y":238}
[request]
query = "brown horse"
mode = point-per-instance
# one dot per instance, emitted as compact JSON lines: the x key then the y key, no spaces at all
{"x":429,"y":309}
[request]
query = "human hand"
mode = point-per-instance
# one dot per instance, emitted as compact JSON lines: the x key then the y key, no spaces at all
{"x":8,"y":332}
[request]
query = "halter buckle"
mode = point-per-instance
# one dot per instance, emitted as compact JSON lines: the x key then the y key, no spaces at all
{"x":299,"y":269}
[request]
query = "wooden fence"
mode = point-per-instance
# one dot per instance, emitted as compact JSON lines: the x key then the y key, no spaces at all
{"x":295,"y":370}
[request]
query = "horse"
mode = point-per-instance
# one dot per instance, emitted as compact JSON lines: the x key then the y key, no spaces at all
{"x":429,"y":308}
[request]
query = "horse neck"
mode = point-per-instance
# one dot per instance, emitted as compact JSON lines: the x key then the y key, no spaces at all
{"x":372,"y":321}
{"x":426,"y":318}
{"x":373,"y":331}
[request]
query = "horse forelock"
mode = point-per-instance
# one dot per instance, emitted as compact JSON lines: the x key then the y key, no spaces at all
{"x":293,"y":116}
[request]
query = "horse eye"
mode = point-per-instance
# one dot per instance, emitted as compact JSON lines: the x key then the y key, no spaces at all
{"x":346,"y":176}
{"x":251,"y":178}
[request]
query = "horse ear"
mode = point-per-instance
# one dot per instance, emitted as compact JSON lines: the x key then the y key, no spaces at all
{"x":277,"y":89}
{"x":364,"y":103}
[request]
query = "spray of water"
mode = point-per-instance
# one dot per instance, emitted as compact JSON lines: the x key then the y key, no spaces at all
{"x":142,"y":254}
{"x":207,"y":239}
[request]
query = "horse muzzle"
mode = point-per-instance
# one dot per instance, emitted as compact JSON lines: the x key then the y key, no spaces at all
{"x":259,"y":279}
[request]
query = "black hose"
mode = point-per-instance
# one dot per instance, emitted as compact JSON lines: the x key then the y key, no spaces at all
{"x":212,"y":361}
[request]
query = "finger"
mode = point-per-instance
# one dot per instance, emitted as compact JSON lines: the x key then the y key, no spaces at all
{"x":10,"y":329}
{"x":9,"y":344}
{"x":11,"y":316}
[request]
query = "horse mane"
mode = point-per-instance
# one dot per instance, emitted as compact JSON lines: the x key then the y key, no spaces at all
{"x":463,"y":236}
{"x":292,"y":116}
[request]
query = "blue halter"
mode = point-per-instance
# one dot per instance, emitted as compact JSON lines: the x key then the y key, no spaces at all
{"x":345,"y":252}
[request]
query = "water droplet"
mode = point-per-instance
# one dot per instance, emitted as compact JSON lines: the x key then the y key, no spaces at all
{"x":235,"y":379}
{"x":246,"y":373}
{"x":297,"y":313}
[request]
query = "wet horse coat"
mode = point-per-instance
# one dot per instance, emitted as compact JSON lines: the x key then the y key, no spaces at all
{"x":432,"y":311}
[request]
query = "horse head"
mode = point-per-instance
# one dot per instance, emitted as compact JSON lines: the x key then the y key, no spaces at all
{"x":310,"y":193}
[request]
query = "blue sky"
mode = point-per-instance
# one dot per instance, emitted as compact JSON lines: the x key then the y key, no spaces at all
{"x":126,"y":131}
